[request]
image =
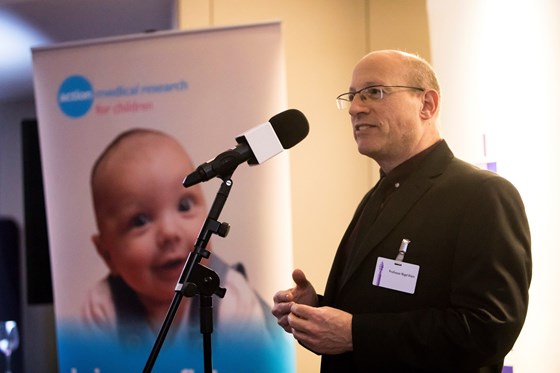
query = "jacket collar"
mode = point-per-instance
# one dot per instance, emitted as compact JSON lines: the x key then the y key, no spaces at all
{"x":417,"y":184}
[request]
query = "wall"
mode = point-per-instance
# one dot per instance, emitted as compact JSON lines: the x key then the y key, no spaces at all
{"x":323,"y":40}
{"x":498,"y":64}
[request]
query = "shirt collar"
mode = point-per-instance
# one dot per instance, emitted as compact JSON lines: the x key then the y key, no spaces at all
{"x":400,"y":173}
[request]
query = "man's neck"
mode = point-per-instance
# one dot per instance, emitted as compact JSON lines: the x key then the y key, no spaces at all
{"x":387,"y":168}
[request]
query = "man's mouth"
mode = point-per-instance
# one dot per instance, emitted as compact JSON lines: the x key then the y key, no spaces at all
{"x":360,"y":127}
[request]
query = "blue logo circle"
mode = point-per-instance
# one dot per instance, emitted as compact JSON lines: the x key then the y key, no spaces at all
{"x":75,"y":96}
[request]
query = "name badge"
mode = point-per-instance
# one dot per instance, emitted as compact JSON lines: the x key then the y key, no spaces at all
{"x":396,"y":275}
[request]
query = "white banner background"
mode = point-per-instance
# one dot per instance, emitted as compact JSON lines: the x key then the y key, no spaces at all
{"x":227,"y":81}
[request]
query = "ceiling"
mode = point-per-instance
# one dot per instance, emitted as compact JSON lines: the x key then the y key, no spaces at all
{"x":31,"y":23}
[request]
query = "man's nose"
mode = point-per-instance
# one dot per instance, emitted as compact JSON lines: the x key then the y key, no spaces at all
{"x":358,"y":105}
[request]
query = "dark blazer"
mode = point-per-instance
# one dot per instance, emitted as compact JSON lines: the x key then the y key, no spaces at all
{"x":469,"y":234}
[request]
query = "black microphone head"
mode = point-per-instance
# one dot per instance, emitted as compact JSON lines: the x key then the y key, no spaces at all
{"x":290,"y":126}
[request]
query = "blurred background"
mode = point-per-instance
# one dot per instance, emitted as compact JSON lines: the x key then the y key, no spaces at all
{"x":498,"y":65}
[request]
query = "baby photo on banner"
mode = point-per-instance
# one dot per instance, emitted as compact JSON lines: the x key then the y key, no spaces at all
{"x":122,"y":122}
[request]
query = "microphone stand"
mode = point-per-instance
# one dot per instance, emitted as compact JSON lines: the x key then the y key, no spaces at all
{"x":198,"y":279}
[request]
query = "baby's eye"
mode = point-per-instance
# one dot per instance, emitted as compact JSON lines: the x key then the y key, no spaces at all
{"x":185,"y":204}
{"x":139,"y":220}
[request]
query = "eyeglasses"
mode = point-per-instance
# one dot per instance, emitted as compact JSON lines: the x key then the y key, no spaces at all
{"x":371,"y":93}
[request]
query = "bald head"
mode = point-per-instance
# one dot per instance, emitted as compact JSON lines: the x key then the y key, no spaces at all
{"x":409,"y":68}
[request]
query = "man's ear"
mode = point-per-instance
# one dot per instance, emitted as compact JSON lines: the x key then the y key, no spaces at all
{"x":103,"y":251}
{"x":430,"y":104}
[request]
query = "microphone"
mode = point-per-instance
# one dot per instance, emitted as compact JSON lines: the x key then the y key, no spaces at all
{"x":255,"y":146}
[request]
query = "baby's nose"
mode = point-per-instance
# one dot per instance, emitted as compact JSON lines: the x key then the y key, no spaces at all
{"x":170,"y":231}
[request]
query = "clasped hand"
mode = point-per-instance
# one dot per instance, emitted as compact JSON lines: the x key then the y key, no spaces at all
{"x":325,"y":330}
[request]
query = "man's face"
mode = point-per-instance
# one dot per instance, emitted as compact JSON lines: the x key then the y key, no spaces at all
{"x":387,"y":130}
{"x":148,"y":222}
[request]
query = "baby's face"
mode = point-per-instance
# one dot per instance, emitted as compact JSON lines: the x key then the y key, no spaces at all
{"x":148,"y":222}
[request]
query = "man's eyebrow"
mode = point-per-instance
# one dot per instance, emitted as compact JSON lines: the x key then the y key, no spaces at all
{"x":367,"y":84}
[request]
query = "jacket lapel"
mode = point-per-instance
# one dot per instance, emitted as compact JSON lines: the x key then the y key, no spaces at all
{"x":398,"y":207}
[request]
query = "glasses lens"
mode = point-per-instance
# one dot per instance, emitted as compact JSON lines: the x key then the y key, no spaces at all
{"x":342,"y":103}
{"x":344,"y":100}
{"x":373,"y":93}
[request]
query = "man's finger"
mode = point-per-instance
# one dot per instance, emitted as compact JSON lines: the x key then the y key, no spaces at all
{"x":299,"y":278}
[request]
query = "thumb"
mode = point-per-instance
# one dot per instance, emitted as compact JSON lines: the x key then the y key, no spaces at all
{"x":299,"y":278}
{"x":304,"y":292}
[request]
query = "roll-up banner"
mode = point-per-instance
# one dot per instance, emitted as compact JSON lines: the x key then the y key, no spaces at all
{"x":122,"y":121}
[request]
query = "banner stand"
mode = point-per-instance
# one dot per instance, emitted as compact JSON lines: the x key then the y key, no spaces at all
{"x":144,"y":107}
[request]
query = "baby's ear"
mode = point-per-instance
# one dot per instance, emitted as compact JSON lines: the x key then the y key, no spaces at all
{"x":103,"y":251}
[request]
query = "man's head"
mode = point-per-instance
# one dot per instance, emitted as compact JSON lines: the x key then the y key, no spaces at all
{"x":147,"y":221}
{"x":396,"y":118}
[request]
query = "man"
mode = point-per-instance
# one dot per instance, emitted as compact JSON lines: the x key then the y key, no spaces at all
{"x":459,"y":297}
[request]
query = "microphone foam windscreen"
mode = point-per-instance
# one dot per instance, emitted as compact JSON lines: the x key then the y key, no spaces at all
{"x":290,"y":126}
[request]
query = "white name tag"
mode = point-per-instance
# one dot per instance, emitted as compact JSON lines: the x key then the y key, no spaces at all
{"x":396,"y":275}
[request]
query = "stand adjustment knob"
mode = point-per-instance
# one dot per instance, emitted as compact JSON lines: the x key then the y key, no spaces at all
{"x":223,"y":230}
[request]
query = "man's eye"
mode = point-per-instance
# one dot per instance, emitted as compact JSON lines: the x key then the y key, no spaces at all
{"x":139,"y":220}
{"x":351,"y":96}
{"x":185,"y":204}
{"x":373,"y":92}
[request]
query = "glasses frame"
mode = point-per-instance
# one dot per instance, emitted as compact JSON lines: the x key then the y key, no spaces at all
{"x":345,"y":99}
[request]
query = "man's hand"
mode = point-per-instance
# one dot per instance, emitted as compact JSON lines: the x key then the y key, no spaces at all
{"x":302,"y":293}
{"x":325,"y":330}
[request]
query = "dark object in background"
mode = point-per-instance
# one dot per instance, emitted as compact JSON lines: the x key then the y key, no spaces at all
{"x":10,"y":289}
{"x":38,"y":267}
